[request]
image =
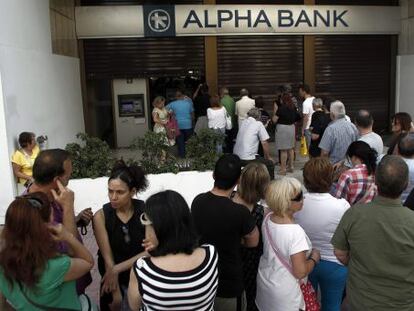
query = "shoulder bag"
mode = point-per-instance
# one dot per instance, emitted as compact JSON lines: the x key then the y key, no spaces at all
{"x":309,"y":295}
{"x":229,"y":124}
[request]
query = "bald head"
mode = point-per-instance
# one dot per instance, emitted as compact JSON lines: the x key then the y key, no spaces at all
{"x":364,"y":119}
{"x":244,"y":92}
{"x":391,"y":176}
{"x":406,"y":146}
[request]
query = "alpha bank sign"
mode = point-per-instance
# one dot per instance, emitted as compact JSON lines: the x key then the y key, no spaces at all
{"x":217,"y":20}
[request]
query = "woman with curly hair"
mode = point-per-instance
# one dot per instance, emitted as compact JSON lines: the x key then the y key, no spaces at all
{"x":119,"y":233}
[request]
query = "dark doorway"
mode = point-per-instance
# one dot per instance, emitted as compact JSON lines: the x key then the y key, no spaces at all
{"x":99,"y":101}
{"x":166,"y":87}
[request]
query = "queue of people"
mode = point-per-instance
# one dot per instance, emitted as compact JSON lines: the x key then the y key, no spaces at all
{"x":252,"y":242}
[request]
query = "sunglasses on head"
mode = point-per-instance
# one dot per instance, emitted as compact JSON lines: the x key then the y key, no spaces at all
{"x":145,"y":220}
{"x":298,"y":197}
{"x":34,"y":202}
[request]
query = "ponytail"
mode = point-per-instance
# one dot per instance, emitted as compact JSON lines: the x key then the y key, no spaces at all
{"x":363,"y":151}
{"x":133,"y":175}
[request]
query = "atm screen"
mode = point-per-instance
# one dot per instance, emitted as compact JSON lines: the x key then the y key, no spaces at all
{"x":131,"y":105}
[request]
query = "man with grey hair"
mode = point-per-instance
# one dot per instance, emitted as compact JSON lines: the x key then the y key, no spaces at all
{"x":338,"y":135}
{"x":376,"y":241}
{"x":244,"y":105}
{"x":251,"y":133}
{"x":320,"y":120}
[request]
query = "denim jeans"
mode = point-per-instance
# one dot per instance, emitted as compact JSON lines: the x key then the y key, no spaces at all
{"x":181,"y":139}
{"x":331,"y":278}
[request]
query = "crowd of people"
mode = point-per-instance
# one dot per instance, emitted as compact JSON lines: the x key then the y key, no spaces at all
{"x":252,"y":242}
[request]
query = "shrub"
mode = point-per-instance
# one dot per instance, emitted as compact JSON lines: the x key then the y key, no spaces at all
{"x":91,"y":158}
{"x":156,"y":154}
{"x":202,"y":149}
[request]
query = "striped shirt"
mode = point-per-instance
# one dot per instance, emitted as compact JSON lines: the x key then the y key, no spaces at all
{"x":189,"y":290}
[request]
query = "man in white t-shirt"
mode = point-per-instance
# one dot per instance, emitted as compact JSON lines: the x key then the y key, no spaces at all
{"x":307,"y":110}
{"x":243,"y":106}
{"x":364,"y":122}
{"x":251,"y":133}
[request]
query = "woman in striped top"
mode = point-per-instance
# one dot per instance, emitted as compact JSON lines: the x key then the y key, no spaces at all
{"x":179,"y":275}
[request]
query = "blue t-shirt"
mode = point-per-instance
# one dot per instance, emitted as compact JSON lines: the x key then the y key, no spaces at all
{"x":182,"y":108}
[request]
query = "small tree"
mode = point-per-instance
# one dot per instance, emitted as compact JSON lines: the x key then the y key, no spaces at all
{"x":202,"y":149}
{"x":156,"y":155}
{"x":91,"y":158}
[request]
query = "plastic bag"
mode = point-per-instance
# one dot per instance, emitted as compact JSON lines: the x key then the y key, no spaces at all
{"x":303,"y":147}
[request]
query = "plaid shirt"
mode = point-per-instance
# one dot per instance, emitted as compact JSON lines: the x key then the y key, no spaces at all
{"x":353,"y":184}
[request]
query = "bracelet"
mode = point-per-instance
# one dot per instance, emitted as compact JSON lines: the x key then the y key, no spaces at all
{"x":314,"y":261}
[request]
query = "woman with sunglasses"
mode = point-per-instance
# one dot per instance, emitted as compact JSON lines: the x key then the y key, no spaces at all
{"x":319,"y":217}
{"x":179,"y":275}
{"x":119,"y":233}
{"x":288,"y":256}
{"x":33,"y":275}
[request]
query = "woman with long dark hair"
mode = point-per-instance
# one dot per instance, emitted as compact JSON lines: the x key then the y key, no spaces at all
{"x":285,"y":117}
{"x":119,"y":233}
{"x":180,"y":274}
{"x":401,"y":124}
{"x":357,"y":185}
{"x":33,"y":275}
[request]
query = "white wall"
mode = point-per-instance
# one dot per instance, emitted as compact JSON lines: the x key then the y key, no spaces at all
{"x":41,"y":91}
{"x":405,"y":84}
{"x":6,"y":179}
{"x":93,"y":193}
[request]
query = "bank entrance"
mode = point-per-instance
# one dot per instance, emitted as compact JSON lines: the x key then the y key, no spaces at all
{"x":356,"y":69}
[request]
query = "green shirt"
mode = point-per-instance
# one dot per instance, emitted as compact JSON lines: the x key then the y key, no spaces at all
{"x":228,"y":102}
{"x":380,"y":239}
{"x":51,"y":290}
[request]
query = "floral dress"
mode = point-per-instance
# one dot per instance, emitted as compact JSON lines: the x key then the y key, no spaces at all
{"x":163,"y":116}
{"x":160,"y":128}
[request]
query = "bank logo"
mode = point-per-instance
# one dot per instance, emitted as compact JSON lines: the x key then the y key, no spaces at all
{"x":160,"y":21}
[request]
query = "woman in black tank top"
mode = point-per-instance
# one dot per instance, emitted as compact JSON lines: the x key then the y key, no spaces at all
{"x":119,"y":233}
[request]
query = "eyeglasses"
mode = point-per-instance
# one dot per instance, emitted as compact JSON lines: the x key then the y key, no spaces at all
{"x":144,"y":220}
{"x":125,"y":231}
{"x":298,"y":197}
